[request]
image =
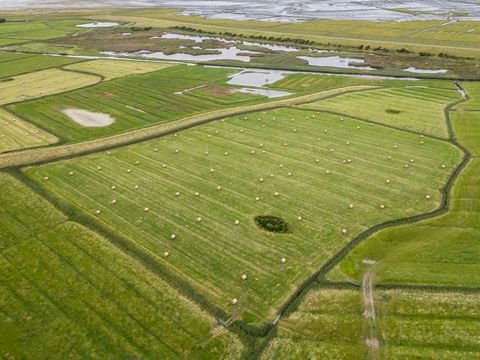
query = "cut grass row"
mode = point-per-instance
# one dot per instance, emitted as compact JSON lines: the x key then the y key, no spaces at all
{"x":112,"y":69}
{"x":43,"y":83}
{"x":67,"y":292}
{"x":213,"y":253}
{"x":441,"y":251}
{"x":135,"y":102}
{"x":411,"y":108}
{"x":17,"y":134}
{"x":412,"y":324}
{"x":22,"y":63}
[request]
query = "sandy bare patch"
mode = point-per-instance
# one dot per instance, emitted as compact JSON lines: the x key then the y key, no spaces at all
{"x":88,"y":118}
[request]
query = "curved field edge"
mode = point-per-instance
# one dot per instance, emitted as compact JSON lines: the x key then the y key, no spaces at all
{"x":185,"y":287}
{"x":96,"y":296}
{"x":439,"y":255}
{"x":27,"y":157}
{"x":321,"y":276}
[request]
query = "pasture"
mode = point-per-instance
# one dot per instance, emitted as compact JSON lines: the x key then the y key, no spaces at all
{"x":410,"y":108}
{"x":42,"y":83}
{"x":17,"y":134}
{"x":67,"y":292}
{"x":440,"y":251}
{"x":411,"y":324}
{"x":428,"y":325}
{"x":137,"y":101}
{"x":195,"y":194}
{"x":328,"y":324}
{"x":23,"y":63}
{"x":112,"y":69}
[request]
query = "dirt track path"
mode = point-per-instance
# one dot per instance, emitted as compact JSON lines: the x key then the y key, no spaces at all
{"x":371,"y":335}
{"x":54,"y":153}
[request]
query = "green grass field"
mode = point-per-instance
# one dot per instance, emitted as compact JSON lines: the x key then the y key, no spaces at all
{"x":17,"y":134}
{"x":66,"y":292}
{"x":135,"y":102}
{"x":43,"y":83}
{"x":23,"y":63}
{"x":412,"y":324}
{"x":112,"y":69}
{"x":410,"y":108}
{"x":441,"y":251}
{"x":359,"y":175}
{"x":327,"y":325}
{"x":417,"y":324}
{"x":143,"y":240}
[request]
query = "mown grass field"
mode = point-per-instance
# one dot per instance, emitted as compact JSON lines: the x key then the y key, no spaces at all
{"x":12,"y":64}
{"x":410,"y":108}
{"x":111,"y":69}
{"x":213,"y":253}
{"x":66,"y":292}
{"x":135,"y":102}
{"x":441,"y":251}
{"x":327,"y":325}
{"x":428,"y":325}
{"x":321,"y":82}
{"x":412,"y":324}
{"x":43,"y":83}
{"x":17,"y":134}
{"x":23,"y":31}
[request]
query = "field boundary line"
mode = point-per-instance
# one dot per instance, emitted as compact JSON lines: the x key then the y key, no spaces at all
{"x":54,"y":153}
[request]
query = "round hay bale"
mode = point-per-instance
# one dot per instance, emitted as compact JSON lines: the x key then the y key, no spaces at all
{"x":226,"y":153}
{"x":136,"y":187}
{"x":382,"y":206}
{"x":276,"y":194}
{"x":261,"y":179}
{"x":199,"y":219}
{"x":350,"y":206}
{"x":252,"y":152}
{"x":99,"y":168}
{"x":283,"y":260}
{"x":146,"y":209}
{"x":71,"y":173}
{"x":244,"y":277}
{"x":219,"y":187}
{"x":173,"y":236}
{"x":257,"y":199}
{"x":46,"y":178}
{"x":234,"y":301}
{"x":443,"y":166}
{"x":98,"y":212}
{"x":113,"y":187}
{"x":237,"y":222}
{"x":165,"y":254}
{"x":212,"y":170}
{"x":299,"y":218}
{"x":114,"y":201}
{"x":177,"y":151}
{"x":177,"y":193}
{"x":344,"y":231}
{"x":129,"y":171}
{"x":197,"y":193}
{"x":387,"y":181}
{"x":206,"y":152}
{"x":317,"y":160}
{"x":164,"y":166}
{"x":327,"y":171}
{"x":156,"y":149}
{"x":428,"y":197}
{"x":137,"y":162}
